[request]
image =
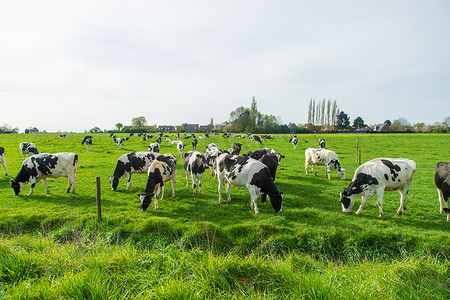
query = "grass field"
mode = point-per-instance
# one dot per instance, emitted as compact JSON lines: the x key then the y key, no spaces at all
{"x":195,"y":248}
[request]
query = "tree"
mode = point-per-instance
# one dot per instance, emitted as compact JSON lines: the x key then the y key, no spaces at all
{"x":211,"y":122}
{"x":138,"y":122}
{"x":343,"y":120}
{"x":310,"y":112}
{"x":119,"y":126}
{"x":95,"y":130}
{"x":253,"y":113}
{"x":358,"y":123}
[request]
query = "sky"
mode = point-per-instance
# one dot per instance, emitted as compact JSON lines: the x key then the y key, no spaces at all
{"x":75,"y":65}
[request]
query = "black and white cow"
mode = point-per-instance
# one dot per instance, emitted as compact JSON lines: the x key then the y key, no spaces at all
{"x":237,"y":148}
{"x":28,"y":148}
{"x":88,"y":141}
{"x":162,"y":170}
{"x":153,"y":147}
{"x":442,"y":181}
{"x":248,"y":172}
{"x":127,"y":164}
{"x":294,"y":141}
{"x":323,"y":157}
{"x":46,"y":165}
{"x":180,"y":148}
{"x":195,"y":165}
{"x":118,"y":142}
{"x":322,"y":144}
{"x":255,"y":138}
{"x":211,"y":155}
{"x":377,"y":176}
{"x":268,"y":157}
{"x":3,"y":160}
{"x":194,"y":143}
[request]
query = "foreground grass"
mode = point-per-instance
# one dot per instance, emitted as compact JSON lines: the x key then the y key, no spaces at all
{"x":41,"y":268}
{"x":53,"y":247}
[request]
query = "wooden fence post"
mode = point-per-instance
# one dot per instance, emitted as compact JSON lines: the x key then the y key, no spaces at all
{"x":99,"y":200}
{"x":359,"y":158}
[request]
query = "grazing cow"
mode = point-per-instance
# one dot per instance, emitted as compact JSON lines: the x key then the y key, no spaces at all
{"x":377,"y":176}
{"x":180,"y":148}
{"x":28,"y":148}
{"x":260,"y":153}
{"x":255,"y":138}
{"x":162,"y":169}
{"x":248,"y":172}
{"x":442,"y":181}
{"x":88,"y":141}
{"x":158,"y":139}
{"x":211,"y":154}
{"x":322,"y":144}
{"x":153,"y":147}
{"x":194,"y":143}
{"x":195,"y":165}
{"x":2,"y":159}
{"x":118,"y":142}
{"x":294,"y":141}
{"x":127,"y":164}
{"x":323,"y":157}
{"x":43,"y":165}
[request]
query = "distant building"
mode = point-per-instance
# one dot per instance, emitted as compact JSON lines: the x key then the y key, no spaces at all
{"x":33,"y":130}
{"x":167,"y":128}
{"x":192,"y":128}
{"x":206,"y":128}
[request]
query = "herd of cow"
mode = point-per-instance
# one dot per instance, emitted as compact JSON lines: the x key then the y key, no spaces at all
{"x":255,"y":170}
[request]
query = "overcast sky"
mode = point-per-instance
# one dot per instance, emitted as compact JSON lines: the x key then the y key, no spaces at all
{"x":74,"y":65}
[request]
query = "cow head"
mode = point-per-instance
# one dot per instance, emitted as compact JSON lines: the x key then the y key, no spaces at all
{"x":203,"y":161}
{"x":114,"y":180}
{"x":275,"y":199}
{"x":347,"y":201}
{"x":17,"y":186}
{"x":145,"y":199}
{"x":341,"y":173}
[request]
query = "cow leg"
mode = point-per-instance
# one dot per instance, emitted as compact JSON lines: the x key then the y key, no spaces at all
{"x":200,"y":180}
{"x":163,"y":190}
{"x":328,"y":171}
{"x":173,"y":185}
{"x":363,"y":201}
{"x":441,"y":200}
{"x":156,"y":202}
{"x":4,"y":166}
{"x":228,"y":188}
{"x":128,"y":180}
{"x":380,"y":194}
{"x":403,"y":194}
{"x":194,"y":183}
{"x":71,"y":184}
{"x":306,"y":167}
{"x":253,"y":198}
{"x":313,"y":168}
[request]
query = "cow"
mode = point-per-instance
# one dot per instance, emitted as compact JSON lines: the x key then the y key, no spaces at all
{"x":442,"y":181}
{"x":28,"y":148}
{"x":323,"y":157}
{"x":294,"y":141}
{"x":377,"y":176}
{"x":237,"y":148}
{"x":255,"y":138}
{"x":118,"y":142}
{"x":211,"y":154}
{"x":46,"y":165}
{"x":3,"y":160}
{"x":180,"y":148}
{"x":153,"y":147}
{"x":161,"y":170}
{"x":195,"y":165}
{"x":88,"y":140}
{"x":322,"y":143}
{"x":194,"y":143}
{"x":248,"y":172}
{"x":268,"y":157}
{"x":127,"y":164}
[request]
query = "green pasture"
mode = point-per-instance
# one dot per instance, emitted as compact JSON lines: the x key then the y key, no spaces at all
{"x":195,"y":248}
